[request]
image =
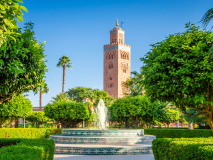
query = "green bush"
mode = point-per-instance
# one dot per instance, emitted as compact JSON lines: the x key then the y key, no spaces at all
{"x":183,"y":148}
{"x":178,"y":133}
{"x":27,"y":149}
{"x":28,"y":133}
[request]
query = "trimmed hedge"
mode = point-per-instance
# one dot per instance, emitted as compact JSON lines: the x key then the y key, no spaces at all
{"x":28,"y":133}
{"x":26,"y":149}
{"x":179,"y":133}
{"x":183,"y":148}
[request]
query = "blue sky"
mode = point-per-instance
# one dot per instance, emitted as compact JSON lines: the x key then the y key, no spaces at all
{"x":80,"y":28}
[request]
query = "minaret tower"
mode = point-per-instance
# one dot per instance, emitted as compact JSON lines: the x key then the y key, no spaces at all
{"x":116,"y":63}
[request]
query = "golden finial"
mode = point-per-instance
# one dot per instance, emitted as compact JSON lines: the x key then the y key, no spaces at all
{"x":117,"y":22}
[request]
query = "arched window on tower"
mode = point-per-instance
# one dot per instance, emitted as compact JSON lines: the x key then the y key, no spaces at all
{"x":110,"y":66}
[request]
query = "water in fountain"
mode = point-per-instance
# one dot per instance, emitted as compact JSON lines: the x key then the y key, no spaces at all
{"x":101,"y":112}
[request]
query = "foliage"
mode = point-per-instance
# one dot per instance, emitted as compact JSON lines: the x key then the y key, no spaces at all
{"x":192,"y":119}
{"x":9,"y":10}
{"x":27,"y":149}
{"x":207,"y":17}
{"x":179,"y":69}
{"x":183,"y":148}
{"x":28,"y":133}
{"x":64,"y":61}
{"x":38,"y":117}
{"x":134,"y":84}
{"x":135,"y":108}
{"x":62,"y":97}
{"x":67,"y":113}
{"x":168,"y":116}
{"x":178,"y":133}
{"x":81,"y":94}
{"x":22,"y":64}
{"x":19,"y":107}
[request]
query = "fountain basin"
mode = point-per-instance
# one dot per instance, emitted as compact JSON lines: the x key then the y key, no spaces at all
{"x":103,"y":142}
{"x":101,"y":133}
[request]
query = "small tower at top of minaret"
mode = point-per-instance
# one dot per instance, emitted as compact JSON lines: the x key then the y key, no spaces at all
{"x":116,"y":63}
{"x":117,"y":35}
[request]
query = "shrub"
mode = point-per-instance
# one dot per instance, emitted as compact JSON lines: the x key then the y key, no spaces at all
{"x":27,"y":149}
{"x":67,"y":113}
{"x":178,"y":133}
{"x":183,"y":148}
{"x":38,"y":118}
{"x":28,"y":133}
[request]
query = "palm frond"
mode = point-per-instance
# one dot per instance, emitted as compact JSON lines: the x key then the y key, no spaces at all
{"x":207,"y":17}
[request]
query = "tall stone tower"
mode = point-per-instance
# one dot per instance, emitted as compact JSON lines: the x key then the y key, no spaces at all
{"x":116,"y":63}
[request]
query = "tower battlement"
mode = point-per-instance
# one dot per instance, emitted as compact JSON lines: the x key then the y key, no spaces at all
{"x":116,"y":43}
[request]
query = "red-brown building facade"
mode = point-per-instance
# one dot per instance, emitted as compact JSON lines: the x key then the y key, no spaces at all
{"x":117,"y":62}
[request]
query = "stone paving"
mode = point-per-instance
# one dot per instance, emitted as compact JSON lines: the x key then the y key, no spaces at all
{"x":104,"y":157}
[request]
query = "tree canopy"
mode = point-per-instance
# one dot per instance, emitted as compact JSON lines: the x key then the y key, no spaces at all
{"x":22,"y":64}
{"x":18,"y":108}
{"x":138,"y":108}
{"x":179,"y":69}
{"x":94,"y":95}
{"x":9,"y":10}
{"x":68,"y":113}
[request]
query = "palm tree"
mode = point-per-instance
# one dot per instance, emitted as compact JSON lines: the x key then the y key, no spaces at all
{"x":207,"y":17}
{"x":64,"y":62}
{"x":43,"y":89}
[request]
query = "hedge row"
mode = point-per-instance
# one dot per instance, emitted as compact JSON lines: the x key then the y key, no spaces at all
{"x":27,"y":149}
{"x":183,"y":148}
{"x":29,"y":133}
{"x":179,"y":133}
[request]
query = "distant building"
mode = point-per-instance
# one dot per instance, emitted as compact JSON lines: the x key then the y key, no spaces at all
{"x":117,"y":63}
{"x":38,"y":109}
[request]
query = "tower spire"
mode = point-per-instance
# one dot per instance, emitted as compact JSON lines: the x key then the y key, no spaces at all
{"x":117,"y":22}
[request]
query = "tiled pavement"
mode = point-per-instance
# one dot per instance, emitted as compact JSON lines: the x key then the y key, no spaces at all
{"x":104,"y":157}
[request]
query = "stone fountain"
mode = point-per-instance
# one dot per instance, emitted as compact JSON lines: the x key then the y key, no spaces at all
{"x":102,"y":141}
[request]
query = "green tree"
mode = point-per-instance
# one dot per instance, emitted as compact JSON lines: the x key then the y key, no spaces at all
{"x":79,"y":93}
{"x":168,"y":116}
{"x":68,"y":113}
{"x":179,"y":69}
{"x":9,"y":10}
{"x":64,"y":62}
{"x":134,"y":84}
{"x":62,"y":97}
{"x":20,"y":107}
{"x":38,"y":118}
{"x":135,"y":109}
{"x":194,"y":119}
{"x":22,"y":64}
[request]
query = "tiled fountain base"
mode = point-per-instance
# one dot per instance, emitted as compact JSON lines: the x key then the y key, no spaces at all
{"x":103,"y":149}
{"x":147,"y":139}
{"x":102,"y":142}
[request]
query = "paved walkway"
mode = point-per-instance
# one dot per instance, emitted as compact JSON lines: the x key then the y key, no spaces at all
{"x":104,"y":157}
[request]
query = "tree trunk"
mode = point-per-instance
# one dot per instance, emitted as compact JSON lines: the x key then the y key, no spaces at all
{"x":64,"y":69}
{"x":12,"y":123}
{"x":40,"y":100}
{"x":1,"y":124}
{"x":16,"y":123}
{"x":168,"y":125}
{"x":177,"y":124}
